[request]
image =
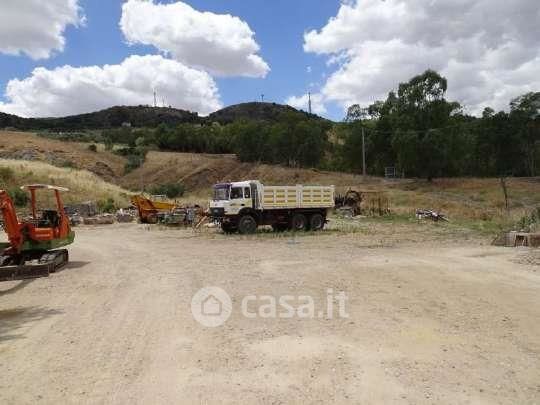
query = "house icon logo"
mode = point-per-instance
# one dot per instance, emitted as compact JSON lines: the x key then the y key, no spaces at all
{"x":211,"y":306}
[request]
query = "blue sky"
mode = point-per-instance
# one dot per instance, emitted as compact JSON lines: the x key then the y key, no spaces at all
{"x":279,"y":26}
{"x":61,"y":57}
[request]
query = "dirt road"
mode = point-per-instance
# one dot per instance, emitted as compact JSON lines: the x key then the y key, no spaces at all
{"x":451,"y":324}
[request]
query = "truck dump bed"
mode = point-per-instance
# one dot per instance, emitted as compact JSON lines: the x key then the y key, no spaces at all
{"x":283,"y":197}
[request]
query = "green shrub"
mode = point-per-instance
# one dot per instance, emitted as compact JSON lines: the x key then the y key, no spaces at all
{"x":108,"y":205}
{"x":6,"y":174}
{"x":133,"y":162}
{"x":171,"y":190}
{"x":20,"y":198}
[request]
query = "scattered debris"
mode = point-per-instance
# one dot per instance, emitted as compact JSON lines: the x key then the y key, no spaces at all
{"x":84,"y":209}
{"x":75,"y":219}
{"x":429,"y":214}
{"x":355,"y":203}
{"x":124,"y":216}
{"x":349,"y":204}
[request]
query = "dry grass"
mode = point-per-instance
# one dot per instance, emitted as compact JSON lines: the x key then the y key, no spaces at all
{"x":479,"y":202}
{"x":83,"y":185}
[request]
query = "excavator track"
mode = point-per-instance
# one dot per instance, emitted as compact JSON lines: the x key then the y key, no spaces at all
{"x":32,"y":265}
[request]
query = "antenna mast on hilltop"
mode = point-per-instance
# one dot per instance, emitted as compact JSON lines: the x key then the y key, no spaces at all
{"x":262,"y":98}
{"x":309,"y":102}
{"x":155,"y":98}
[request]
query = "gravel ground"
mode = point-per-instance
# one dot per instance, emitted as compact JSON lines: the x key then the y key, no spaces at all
{"x":431,"y":323}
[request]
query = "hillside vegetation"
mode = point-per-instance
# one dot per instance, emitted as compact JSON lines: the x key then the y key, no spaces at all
{"x":83,"y":185}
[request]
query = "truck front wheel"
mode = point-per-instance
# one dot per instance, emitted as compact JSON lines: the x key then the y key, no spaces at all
{"x":247,"y":224}
{"x":298,"y":223}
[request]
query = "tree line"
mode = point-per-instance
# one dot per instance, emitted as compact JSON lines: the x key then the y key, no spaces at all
{"x":416,"y":130}
{"x":294,"y":140}
{"x":421,"y":133}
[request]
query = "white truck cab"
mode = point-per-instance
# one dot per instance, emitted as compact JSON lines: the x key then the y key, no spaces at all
{"x":231,"y":198}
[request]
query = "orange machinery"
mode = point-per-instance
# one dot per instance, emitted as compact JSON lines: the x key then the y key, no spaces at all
{"x":149,"y":209}
{"x":32,"y":247}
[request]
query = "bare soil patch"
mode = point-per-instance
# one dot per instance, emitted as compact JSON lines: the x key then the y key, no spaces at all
{"x":432,"y":322}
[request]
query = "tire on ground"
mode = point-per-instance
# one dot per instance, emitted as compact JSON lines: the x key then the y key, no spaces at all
{"x":316,"y":222}
{"x":299,"y":223}
{"x":247,"y":224}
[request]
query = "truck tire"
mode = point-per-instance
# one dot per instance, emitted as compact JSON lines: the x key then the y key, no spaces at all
{"x":316,"y":222}
{"x":247,"y":225}
{"x":299,"y":223}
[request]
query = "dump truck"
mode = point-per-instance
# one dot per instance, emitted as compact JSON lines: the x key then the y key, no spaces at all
{"x":244,"y":206}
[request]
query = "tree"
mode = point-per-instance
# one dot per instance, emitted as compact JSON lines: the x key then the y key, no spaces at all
{"x":525,"y":116}
{"x":413,"y":126}
{"x":357,"y":113}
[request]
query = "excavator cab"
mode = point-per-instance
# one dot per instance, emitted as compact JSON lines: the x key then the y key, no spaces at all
{"x":32,"y":248}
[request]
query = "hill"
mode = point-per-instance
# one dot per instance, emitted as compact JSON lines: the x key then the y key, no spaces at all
{"x":145,"y":116}
{"x":140,"y":116}
{"x":269,"y":112}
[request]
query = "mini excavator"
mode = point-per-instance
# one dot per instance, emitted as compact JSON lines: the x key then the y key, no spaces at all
{"x":33,"y":244}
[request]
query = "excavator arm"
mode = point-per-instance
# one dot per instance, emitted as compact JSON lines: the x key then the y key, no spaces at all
{"x":11,"y":222}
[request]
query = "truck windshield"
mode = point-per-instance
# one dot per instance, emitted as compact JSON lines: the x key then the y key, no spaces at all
{"x":221,"y":192}
{"x":236,"y":193}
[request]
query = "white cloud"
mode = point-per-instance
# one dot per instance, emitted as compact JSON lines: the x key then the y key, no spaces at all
{"x":222,"y":44}
{"x":302,"y":103}
{"x":72,"y":90}
{"x":36,"y":27}
{"x":489,"y":50}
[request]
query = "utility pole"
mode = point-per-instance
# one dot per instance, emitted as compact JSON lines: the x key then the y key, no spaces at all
{"x":262,"y":98}
{"x":364,"y":172}
{"x":155,"y":98}
{"x":141,"y":162}
{"x":309,"y":102}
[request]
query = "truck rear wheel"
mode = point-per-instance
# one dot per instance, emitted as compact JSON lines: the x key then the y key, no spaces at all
{"x":247,"y":224}
{"x":298,"y":223}
{"x":316,"y":222}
